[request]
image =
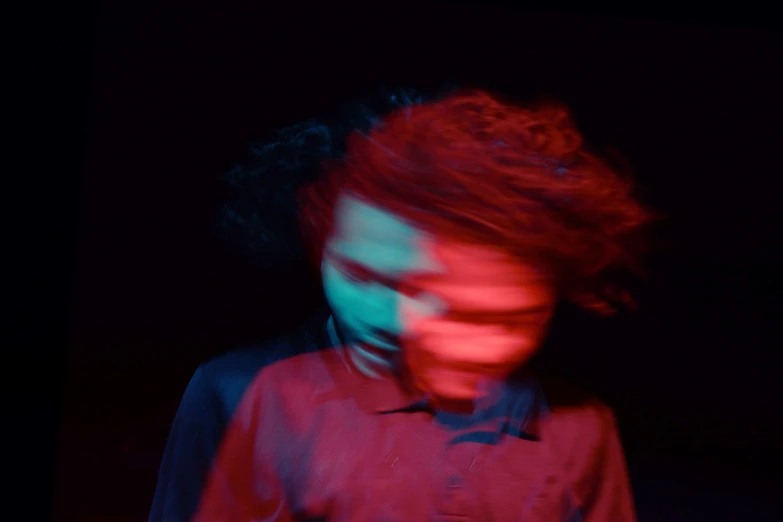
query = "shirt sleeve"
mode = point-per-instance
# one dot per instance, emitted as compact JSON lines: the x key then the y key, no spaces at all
{"x":603,"y":489}
{"x":243,"y":486}
{"x":192,"y":444}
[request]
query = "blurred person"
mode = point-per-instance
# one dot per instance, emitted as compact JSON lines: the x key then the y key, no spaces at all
{"x":262,"y":220}
{"x":445,"y":236}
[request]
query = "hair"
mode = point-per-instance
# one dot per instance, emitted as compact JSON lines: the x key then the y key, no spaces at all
{"x":261,"y":216}
{"x":473,"y":167}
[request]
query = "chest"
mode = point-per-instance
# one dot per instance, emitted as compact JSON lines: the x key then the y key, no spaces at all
{"x":351,"y":466}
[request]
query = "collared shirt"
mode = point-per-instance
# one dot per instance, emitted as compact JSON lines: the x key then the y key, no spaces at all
{"x":314,"y":439}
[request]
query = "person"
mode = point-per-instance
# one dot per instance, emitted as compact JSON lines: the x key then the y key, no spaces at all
{"x":445,"y":237}
{"x":261,"y":220}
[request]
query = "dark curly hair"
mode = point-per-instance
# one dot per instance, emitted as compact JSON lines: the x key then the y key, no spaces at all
{"x":261,"y":216}
{"x":475,"y":167}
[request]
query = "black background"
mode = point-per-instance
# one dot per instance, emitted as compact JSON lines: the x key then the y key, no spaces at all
{"x":176,"y":94}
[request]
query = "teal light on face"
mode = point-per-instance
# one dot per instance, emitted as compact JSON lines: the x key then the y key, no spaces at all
{"x":390,"y":284}
{"x":368,"y":263}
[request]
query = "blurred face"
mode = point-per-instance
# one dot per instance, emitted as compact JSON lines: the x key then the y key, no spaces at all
{"x":461,"y":315}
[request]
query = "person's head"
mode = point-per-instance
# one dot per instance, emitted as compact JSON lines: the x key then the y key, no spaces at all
{"x":453,"y":227}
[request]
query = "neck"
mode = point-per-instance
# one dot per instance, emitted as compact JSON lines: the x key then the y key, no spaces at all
{"x":372,"y":363}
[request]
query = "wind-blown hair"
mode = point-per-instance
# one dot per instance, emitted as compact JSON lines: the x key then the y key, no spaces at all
{"x":261,"y":216}
{"x":473,"y":167}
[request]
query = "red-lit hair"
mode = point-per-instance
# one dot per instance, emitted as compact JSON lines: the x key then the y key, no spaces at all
{"x":474,"y":168}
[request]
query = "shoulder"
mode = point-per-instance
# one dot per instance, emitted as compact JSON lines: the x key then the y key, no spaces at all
{"x":301,"y":376}
{"x":586,"y":445}
{"x":283,"y":396}
{"x":576,"y":416}
{"x":229,"y":375}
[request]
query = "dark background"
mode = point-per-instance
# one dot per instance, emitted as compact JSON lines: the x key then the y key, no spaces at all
{"x":178,"y":92}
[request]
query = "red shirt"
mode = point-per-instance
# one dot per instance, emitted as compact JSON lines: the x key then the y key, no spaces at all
{"x":313,"y":439}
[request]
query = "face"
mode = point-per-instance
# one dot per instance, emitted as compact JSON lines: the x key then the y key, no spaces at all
{"x":461,"y":315}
